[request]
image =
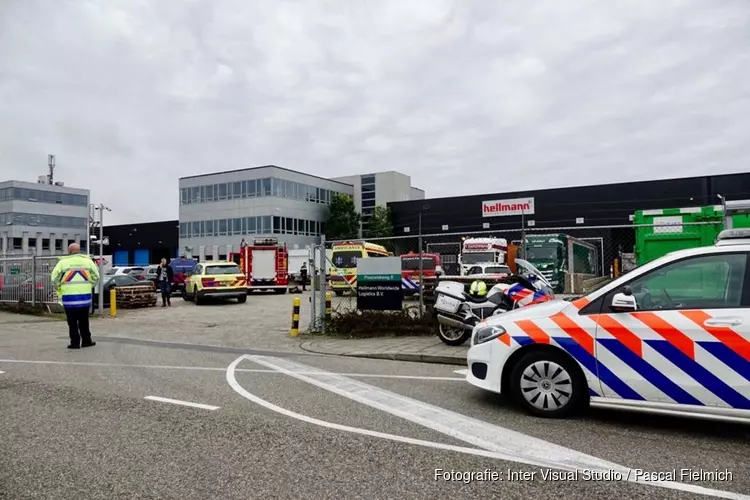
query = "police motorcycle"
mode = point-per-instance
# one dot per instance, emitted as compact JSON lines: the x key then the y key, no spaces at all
{"x":458,"y":311}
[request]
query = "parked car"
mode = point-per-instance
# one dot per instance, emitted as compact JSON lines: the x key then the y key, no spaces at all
{"x":215,"y":279}
{"x":119,"y":271}
{"x":146,"y":274}
{"x":117,"y":281}
{"x":489,"y":268}
{"x":669,"y":337}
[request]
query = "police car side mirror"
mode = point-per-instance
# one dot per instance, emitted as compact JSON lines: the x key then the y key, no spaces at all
{"x":624,"y":302}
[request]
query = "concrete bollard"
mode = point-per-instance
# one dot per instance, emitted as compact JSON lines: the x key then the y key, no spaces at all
{"x":113,"y":303}
{"x":329,"y":308}
{"x":295,"y":317}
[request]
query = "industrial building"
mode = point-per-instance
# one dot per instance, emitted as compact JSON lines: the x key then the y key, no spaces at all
{"x":218,"y":210}
{"x":142,"y":244}
{"x":600,"y":212}
{"x":42,"y":217}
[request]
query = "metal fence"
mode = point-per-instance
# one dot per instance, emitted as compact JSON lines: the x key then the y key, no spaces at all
{"x":577,"y":258}
{"x":27,"y":279}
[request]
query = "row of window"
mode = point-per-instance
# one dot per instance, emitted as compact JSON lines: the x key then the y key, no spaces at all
{"x":20,"y":219}
{"x":17,"y":244}
{"x":251,"y":225}
{"x":42,"y":196}
{"x":269,"y":186}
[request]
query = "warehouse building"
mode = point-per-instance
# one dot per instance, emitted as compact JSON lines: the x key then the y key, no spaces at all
{"x":600,"y":213}
{"x":142,"y":244}
{"x":42,"y":218}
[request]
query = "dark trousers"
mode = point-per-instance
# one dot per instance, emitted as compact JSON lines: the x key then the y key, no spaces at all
{"x":78,"y":325}
{"x":304,"y":281}
{"x":166,"y":292}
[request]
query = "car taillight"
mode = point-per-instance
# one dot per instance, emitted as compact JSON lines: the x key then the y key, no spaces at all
{"x":206,"y":281}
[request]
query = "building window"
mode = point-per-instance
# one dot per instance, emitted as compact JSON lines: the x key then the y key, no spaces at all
{"x":222,"y":227}
{"x":265,"y":187}
{"x":368,"y":203}
{"x":368,"y":196}
{"x":223,"y":191}
{"x":209,"y":228}
{"x":237,"y":226}
{"x":196,"y":229}
{"x":184,"y":196}
{"x":277,"y":225}
{"x":45,"y":243}
{"x":195,"y":194}
{"x":236,"y":190}
{"x":183,"y":230}
{"x":22,"y":219}
{"x":58,"y":245}
{"x":368,"y":179}
{"x":368,"y":189}
{"x":265,"y":227}
{"x":17,"y":243}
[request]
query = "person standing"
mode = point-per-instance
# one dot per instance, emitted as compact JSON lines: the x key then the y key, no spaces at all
{"x":74,"y":277}
{"x":303,"y":276}
{"x":164,"y":277}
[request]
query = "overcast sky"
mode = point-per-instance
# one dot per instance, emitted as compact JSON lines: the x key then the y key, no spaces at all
{"x":466,"y":97}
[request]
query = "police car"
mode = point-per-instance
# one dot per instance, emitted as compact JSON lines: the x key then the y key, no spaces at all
{"x":670,"y":337}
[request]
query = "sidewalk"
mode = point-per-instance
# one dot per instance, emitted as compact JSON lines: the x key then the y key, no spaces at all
{"x":424,"y":349}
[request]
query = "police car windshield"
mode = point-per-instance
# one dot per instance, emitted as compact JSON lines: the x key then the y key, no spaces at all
{"x":223,"y":269}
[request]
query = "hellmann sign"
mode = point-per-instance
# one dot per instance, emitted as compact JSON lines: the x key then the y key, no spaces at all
{"x":516,"y":206}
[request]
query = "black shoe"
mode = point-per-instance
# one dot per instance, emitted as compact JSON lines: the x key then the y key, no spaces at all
{"x":73,"y":346}
{"x":88,"y":344}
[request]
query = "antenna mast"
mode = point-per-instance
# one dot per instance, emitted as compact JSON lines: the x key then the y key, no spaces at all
{"x":51,"y":164}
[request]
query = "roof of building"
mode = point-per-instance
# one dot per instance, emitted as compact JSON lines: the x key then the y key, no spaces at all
{"x":265,"y":166}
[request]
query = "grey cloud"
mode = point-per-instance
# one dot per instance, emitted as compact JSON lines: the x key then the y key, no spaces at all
{"x":466,"y":96}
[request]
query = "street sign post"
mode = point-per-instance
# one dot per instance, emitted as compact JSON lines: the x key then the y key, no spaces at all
{"x":379,"y":284}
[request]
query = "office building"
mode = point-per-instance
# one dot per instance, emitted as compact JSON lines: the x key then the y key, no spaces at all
{"x":42,"y":218}
{"x":218,"y":210}
{"x":379,"y":189}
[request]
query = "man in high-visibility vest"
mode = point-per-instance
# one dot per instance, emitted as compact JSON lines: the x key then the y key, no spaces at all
{"x":75,"y":276}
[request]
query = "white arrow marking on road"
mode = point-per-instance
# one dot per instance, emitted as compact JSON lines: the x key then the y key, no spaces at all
{"x":182,"y":403}
{"x":461,"y":372}
{"x":498,"y":442}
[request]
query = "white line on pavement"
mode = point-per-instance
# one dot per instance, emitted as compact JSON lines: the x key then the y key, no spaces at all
{"x":498,"y":442}
{"x":217,"y":369}
{"x":461,"y":372}
{"x":1,"y":372}
{"x":182,"y":403}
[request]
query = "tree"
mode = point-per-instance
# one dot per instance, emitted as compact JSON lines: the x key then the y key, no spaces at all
{"x":380,"y":224}
{"x":343,"y":219}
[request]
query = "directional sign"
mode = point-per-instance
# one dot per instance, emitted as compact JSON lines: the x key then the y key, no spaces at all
{"x":379,"y":284}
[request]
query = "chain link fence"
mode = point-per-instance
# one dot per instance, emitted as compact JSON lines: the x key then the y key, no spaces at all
{"x":575,"y":259}
{"x":27,"y":279}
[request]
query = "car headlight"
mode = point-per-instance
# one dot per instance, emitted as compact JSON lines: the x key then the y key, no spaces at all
{"x":487,"y":333}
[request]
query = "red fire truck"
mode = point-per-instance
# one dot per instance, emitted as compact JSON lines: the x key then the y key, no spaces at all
{"x":264,"y":264}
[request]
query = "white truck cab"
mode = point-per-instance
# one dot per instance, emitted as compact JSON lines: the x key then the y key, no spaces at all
{"x":672,"y":337}
{"x":482,"y":250}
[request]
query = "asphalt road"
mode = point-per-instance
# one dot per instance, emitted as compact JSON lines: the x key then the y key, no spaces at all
{"x":77,"y":424}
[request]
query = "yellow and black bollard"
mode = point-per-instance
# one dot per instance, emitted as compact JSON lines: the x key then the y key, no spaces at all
{"x":113,"y":303}
{"x":329,"y":298}
{"x":295,"y":317}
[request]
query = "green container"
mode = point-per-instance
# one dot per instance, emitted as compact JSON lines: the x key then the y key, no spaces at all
{"x":667,"y":230}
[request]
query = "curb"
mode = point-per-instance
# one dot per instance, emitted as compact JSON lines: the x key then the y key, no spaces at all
{"x":392,"y":356}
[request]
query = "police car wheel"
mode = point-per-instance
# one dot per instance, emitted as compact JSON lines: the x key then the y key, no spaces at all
{"x":548,"y":384}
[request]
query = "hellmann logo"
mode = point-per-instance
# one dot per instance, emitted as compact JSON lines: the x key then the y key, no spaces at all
{"x":516,"y":206}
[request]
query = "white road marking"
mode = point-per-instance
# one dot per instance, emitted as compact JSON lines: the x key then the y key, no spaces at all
{"x":219,"y":369}
{"x":452,"y":424}
{"x":461,"y":372}
{"x":1,"y":372}
{"x":182,"y":403}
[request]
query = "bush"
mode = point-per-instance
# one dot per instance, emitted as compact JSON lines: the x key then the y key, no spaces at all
{"x":362,"y":324}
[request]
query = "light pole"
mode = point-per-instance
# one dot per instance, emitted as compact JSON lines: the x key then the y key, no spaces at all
{"x":423,"y":207}
{"x":101,"y":208}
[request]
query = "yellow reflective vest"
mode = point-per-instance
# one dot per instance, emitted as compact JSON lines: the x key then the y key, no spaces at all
{"x":75,"y":276}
